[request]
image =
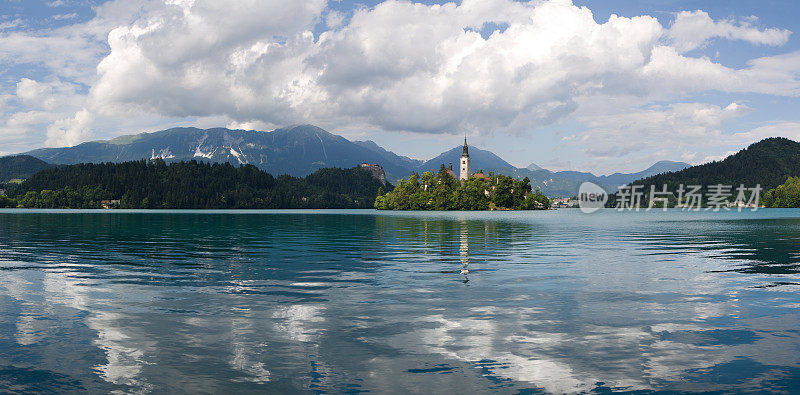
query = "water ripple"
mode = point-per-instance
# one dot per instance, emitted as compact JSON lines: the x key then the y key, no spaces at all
{"x":398,"y":302}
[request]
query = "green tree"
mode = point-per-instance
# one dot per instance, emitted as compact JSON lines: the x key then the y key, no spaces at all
{"x":786,"y":195}
{"x":504,"y":192}
{"x":7,"y":202}
{"x":535,"y":201}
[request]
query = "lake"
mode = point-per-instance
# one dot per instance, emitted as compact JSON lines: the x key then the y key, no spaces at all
{"x":352,"y":301}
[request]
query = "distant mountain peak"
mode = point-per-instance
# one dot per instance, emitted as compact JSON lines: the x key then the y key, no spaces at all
{"x":670,"y":162}
{"x":481,"y":159}
{"x":369,"y":144}
{"x":534,"y":167}
{"x":663,"y":166}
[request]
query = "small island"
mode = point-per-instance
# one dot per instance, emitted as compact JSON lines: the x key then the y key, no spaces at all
{"x":467,"y":192}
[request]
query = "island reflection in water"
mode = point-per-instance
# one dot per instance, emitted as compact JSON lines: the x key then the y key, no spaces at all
{"x":420,"y":302}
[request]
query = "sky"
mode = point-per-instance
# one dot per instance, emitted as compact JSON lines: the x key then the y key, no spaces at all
{"x":588,"y":85}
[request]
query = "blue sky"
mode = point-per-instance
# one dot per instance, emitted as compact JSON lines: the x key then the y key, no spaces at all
{"x":554,"y":88}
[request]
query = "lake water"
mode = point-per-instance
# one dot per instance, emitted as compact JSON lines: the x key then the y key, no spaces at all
{"x":351,"y":301}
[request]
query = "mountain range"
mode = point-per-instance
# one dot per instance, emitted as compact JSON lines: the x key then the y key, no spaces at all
{"x":297,"y":150}
{"x":300,"y":150}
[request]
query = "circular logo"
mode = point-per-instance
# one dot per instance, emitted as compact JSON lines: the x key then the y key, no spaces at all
{"x":591,"y":197}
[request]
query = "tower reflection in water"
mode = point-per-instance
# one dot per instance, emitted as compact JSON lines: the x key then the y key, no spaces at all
{"x":464,"y":250}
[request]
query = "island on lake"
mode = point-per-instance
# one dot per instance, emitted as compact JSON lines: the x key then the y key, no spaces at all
{"x":467,"y":191}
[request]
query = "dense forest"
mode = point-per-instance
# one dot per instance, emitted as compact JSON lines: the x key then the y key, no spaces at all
{"x":442,"y":191}
{"x":768,"y":163}
{"x":191,"y":185}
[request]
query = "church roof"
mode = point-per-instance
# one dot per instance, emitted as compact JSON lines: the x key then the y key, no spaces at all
{"x":466,"y":151}
{"x":482,"y":176}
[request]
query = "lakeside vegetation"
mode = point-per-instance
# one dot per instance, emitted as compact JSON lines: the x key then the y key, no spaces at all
{"x":441,"y":191}
{"x":786,"y":195}
{"x":190,"y":185}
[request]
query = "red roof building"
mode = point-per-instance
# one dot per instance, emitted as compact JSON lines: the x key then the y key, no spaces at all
{"x":451,"y":172}
{"x":482,"y":176}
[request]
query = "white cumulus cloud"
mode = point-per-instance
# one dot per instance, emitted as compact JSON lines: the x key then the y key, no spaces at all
{"x":403,"y":66}
{"x":676,"y":126}
{"x":31,"y":92}
{"x":693,"y":29}
{"x":475,"y":66}
{"x":70,"y":131}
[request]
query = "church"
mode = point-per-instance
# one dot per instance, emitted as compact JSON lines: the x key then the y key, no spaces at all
{"x":465,"y":170}
{"x":466,"y":166}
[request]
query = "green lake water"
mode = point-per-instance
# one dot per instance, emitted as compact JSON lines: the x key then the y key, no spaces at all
{"x":334,"y":301}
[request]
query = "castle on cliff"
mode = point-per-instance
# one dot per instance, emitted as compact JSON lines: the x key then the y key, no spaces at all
{"x":376,"y":170}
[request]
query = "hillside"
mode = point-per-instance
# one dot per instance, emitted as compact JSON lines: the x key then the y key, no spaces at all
{"x":296,"y":150}
{"x":768,"y":162}
{"x":389,"y":156}
{"x":20,"y":167}
{"x":194,"y":185}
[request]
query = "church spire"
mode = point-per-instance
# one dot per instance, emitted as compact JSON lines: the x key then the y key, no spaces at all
{"x":466,"y":166}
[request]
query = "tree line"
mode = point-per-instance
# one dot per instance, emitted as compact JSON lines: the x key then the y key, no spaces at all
{"x":786,"y":195}
{"x":154,"y":184}
{"x":442,"y":191}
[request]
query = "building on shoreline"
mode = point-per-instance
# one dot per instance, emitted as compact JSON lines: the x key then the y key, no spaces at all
{"x":564,"y":203}
{"x":109,"y":204}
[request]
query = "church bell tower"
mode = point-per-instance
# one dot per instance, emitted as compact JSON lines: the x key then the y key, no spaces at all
{"x":465,"y":163}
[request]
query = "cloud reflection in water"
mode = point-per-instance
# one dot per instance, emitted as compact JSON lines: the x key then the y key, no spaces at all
{"x":281,"y":302}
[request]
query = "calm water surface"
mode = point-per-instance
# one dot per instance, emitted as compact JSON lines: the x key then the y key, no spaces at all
{"x":352,"y":301}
